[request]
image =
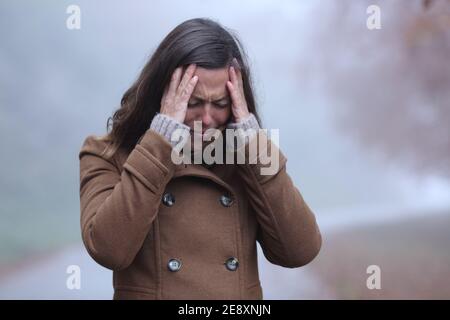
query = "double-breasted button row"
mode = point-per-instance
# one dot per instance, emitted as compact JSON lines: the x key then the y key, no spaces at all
{"x":231,"y":264}
{"x":168,"y":200}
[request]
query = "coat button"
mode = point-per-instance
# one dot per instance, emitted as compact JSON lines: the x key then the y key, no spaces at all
{"x":226,"y":201}
{"x":174,"y":265}
{"x":168,"y":199}
{"x":232,"y":264}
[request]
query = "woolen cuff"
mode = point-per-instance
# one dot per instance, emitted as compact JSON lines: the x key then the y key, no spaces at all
{"x":248,"y":123}
{"x":249,"y":126}
{"x":166,"y":126}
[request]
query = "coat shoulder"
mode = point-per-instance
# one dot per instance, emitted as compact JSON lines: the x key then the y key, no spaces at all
{"x":94,"y":144}
{"x":97,"y":146}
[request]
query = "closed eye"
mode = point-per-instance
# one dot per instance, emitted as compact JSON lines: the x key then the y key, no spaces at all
{"x":193,"y":104}
{"x":222,"y":104}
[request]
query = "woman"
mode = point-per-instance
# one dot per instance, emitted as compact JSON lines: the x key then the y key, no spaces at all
{"x":189,"y":230}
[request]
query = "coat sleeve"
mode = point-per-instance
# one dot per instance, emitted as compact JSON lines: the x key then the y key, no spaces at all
{"x":287,"y":231}
{"x":118,"y":208}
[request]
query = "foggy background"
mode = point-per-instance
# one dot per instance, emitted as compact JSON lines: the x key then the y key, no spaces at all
{"x":363,"y":116}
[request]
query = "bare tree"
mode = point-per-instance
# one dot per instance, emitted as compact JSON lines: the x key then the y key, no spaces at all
{"x":391,"y":86}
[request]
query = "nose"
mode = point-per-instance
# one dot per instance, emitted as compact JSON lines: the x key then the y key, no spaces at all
{"x":206,"y":117}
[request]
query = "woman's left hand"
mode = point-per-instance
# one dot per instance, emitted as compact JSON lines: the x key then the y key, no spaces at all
{"x":236,"y":88}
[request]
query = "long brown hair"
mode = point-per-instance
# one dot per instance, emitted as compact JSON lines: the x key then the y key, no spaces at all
{"x":201,"y":41}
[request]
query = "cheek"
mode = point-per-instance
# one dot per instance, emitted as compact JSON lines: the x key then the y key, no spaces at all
{"x":222,"y":116}
{"x":190,"y":117}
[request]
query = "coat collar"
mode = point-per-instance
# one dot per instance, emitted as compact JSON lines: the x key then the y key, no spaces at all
{"x":219,"y":173}
{"x":222,"y":174}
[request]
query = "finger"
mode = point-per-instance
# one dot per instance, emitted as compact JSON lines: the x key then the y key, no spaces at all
{"x":235,"y":63}
{"x":234,"y":93}
{"x":187,"y":91}
{"x":166,"y":90}
{"x":186,"y":77}
{"x":237,"y":83}
{"x":233,"y":76}
{"x":175,"y":81}
{"x":237,"y":69}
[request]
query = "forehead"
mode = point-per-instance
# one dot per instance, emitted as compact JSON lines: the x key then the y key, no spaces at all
{"x":211,"y":83}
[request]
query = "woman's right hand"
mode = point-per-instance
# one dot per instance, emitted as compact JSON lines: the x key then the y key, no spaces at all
{"x":175,"y":99}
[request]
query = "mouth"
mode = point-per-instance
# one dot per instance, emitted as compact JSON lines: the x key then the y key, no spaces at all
{"x":198,"y":132}
{"x":203,"y":133}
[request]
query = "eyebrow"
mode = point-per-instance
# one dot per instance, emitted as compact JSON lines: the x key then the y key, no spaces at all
{"x":216,"y":100}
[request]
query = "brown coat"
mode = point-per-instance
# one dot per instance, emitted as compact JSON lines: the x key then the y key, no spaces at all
{"x":139,"y":210}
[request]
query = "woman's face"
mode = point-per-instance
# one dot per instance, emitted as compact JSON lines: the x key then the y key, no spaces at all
{"x":210,"y":102}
